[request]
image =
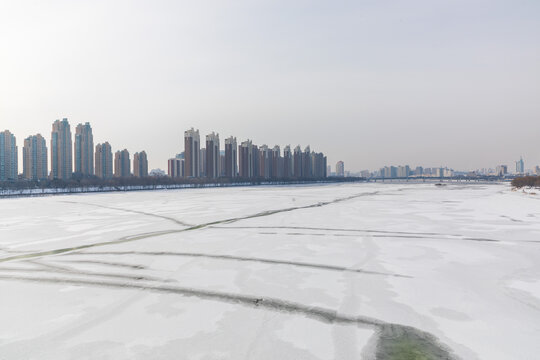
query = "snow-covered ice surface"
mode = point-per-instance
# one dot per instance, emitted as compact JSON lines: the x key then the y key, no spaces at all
{"x":290,"y":272}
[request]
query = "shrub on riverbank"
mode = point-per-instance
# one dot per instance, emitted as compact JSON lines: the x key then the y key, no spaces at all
{"x":526,"y":181}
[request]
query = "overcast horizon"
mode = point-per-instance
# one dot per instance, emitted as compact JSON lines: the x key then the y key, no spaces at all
{"x":372,"y":83}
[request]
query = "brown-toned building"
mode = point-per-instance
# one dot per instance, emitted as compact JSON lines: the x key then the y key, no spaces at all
{"x":104,"y":161}
{"x":35,"y":158}
{"x":122,"y":166}
{"x":140,"y":164}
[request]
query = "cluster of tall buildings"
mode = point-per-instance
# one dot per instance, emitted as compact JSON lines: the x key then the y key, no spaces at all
{"x":68,"y":156}
{"x":405,"y":171}
{"x":245,"y":160}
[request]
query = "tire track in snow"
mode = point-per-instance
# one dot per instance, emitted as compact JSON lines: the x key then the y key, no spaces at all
{"x":244,"y":259}
{"x":376,"y":233}
{"x":387,"y":333}
{"x":176,"y":221}
{"x":166,"y":232}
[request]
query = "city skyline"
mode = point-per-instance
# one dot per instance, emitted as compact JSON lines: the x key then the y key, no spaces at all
{"x":214,"y":164}
{"x":426,"y":82}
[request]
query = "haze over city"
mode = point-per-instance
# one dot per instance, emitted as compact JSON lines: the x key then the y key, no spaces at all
{"x":368,"y":82}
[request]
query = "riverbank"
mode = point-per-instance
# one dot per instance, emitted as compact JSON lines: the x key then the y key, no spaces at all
{"x":47,"y":191}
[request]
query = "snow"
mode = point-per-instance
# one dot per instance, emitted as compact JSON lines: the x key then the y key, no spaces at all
{"x":134,"y":275}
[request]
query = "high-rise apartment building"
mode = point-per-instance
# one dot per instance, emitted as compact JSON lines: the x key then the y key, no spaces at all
{"x":191,"y":152}
{"x":340,"y":169}
{"x":231,"y":164}
{"x":84,"y":150}
{"x":35,"y":158}
{"x":287,"y":163}
{"x":222,"y":163}
{"x":265,"y":162}
{"x":9,"y":160}
{"x":306,"y":163}
{"x":61,"y":154}
{"x":297,"y":163}
{"x":277,"y":163}
{"x":104,"y":161}
{"x":520,"y":166}
{"x":122,"y":166}
{"x":318,"y":165}
{"x":212,"y":156}
{"x":246,"y":159}
{"x":140,"y":164}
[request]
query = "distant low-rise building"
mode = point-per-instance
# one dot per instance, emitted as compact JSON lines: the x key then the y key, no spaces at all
{"x":502,"y":170}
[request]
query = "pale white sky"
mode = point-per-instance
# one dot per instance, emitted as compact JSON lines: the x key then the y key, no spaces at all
{"x":418,"y":82}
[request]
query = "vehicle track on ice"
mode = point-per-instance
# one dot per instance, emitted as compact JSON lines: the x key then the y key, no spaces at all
{"x":387,"y":334}
{"x":174,"y":231}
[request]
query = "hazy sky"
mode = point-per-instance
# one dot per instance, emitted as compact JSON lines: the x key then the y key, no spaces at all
{"x":428,"y":82}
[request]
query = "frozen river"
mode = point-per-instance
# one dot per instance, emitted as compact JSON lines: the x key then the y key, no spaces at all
{"x":349,"y":271}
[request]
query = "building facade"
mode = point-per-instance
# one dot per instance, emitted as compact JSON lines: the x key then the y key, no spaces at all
{"x":140,"y":164}
{"x":287,"y":162}
{"x":212,"y":156}
{"x":35,"y":158}
{"x":61,"y":150}
{"x":122,"y":166}
{"x":175,"y":168}
{"x":340,"y":169}
{"x":191,"y":153}
{"x":84,"y":150}
{"x":9,"y":160}
{"x":104,"y":161}
{"x":520,"y":166}
{"x":265,"y":162}
{"x":245,"y":159}
{"x":231,"y":163}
